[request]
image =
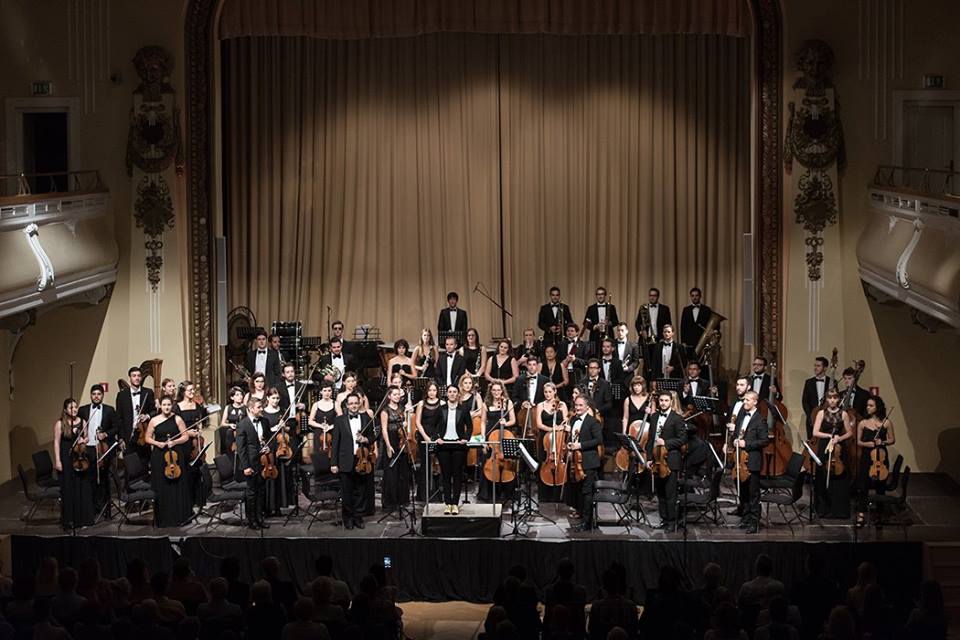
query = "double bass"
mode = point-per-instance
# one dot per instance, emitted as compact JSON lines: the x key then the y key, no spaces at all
{"x":777,"y":453}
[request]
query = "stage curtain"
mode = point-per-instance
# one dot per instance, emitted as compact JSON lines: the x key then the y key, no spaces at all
{"x":361,"y":19}
{"x":367,"y":175}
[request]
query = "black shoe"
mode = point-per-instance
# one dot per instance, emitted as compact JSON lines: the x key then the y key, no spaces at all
{"x":347,"y":524}
{"x":735,"y":512}
{"x":253,"y":526}
{"x":264,"y":525}
{"x":359,"y":523}
{"x":743,"y":525}
{"x":752,"y":529}
{"x":581,"y":528}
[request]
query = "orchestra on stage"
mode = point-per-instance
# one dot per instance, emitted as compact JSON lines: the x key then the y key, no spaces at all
{"x":546,"y":423}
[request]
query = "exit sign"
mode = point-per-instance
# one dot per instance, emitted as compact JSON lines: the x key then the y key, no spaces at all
{"x":42,"y":88}
{"x":933,"y":81}
{"x":105,"y":385}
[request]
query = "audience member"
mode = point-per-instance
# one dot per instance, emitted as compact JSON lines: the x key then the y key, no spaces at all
{"x":184,"y":588}
{"x":928,"y":619}
{"x":139,"y":581}
{"x":66,"y":604}
{"x":284,"y":592}
{"x":169,"y":612}
{"x":303,"y":626}
{"x":238,"y":592}
{"x":324,"y":610}
{"x":814,"y":594}
{"x":88,"y":578}
{"x":667,"y":606}
{"x":341,"y":592}
{"x":866,"y":576}
{"x":756,"y":594}
{"x":47,"y":582}
{"x":265,"y":618}
{"x":777,"y":628}
{"x":220,"y":612}
{"x":44,"y":627}
{"x":614,"y":609}
{"x":564,"y":592}
{"x":725,"y":624}
{"x":840,"y":625}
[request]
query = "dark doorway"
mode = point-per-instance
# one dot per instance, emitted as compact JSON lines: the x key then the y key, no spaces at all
{"x":45,"y":150}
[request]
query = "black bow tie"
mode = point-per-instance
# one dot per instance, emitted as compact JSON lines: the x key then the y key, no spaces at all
{"x":694,"y":380}
{"x":653,"y":306}
{"x":601,"y":304}
{"x":757,"y":376}
{"x":820,"y":379}
{"x":354,"y":415}
{"x":291,"y":385}
{"x":621,"y":342}
{"x":555,"y":306}
{"x":261,"y":351}
{"x":135,"y":392}
{"x":94,"y":407}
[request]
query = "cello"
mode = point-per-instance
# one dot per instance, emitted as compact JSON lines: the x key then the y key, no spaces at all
{"x":497,"y":468}
{"x":777,"y":453}
{"x":553,"y":471}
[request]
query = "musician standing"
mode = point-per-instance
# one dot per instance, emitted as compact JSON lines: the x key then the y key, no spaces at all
{"x":527,"y":348}
{"x":601,"y":317}
{"x":264,"y":359}
{"x":574,"y":354}
{"x":451,"y":364}
{"x":854,"y":397}
{"x":814,"y":390}
{"x":751,"y":436}
{"x":76,"y":485}
{"x":452,"y":319}
{"x":694,"y":385}
{"x":351,"y":430}
{"x":166,"y":435}
{"x":610,"y":365}
{"x":667,"y":357}
{"x":652,"y":317}
{"x":553,"y":317}
{"x":103,"y":423}
{"x":760,"y":380}
{"x":627,"y":352}
{"x":135,"y":404}
{"x":455,"y":425}
{"x":251,"y":438}
{"x":337,"y":359}
{"x":694,"y":318}
{"x":528,"y":390}
{"x":597,"y":390}
{"x":586,"y":436}
{"x":395,"y":489}
{"x":669,"y":431}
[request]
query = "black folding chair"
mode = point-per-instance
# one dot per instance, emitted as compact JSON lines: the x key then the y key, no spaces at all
{"x":44,"y":475}
{"x":898,"y":500}
{"x":37,"y":496}
{"x":705,"y":504}
{"x":781,"y":500}
{"x":224,"y":496}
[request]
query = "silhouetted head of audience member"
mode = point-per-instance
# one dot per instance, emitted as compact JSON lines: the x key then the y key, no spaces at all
{"x":519,"y":572}
{"x":778,"y":610}
{"x":840,"y":624}
{"x":137,"y":572}
{"x":712,"y":576}
{"x":303,"y":610}
{"x":669,"y":580}
{"x":866,"y":574}
{"x":270,"y":567}
{"x":763,"y":565}
{"x":218,"y":589}
{"x":261,"y":593}
{"x":565,"y":569}
{"x":611,"y":583}
{"x":230,"y":568}
{"x":67,"y":580}
{"x":322,"y":591}
{"x":726,"y":621}
{"x":159,"y":583}
{"x":931,"y":598}
{"x":617,"y":633}
{"x":324,"y":565}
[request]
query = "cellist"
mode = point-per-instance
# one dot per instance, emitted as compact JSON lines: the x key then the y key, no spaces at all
{"x":586,"y":436}
{"x":496,"y":411}
{"x":669,"y":431}
{"x":550,"y":417}
{"x":751,"y":436}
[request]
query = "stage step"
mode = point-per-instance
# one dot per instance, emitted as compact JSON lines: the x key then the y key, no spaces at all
{"x":474,"y":521}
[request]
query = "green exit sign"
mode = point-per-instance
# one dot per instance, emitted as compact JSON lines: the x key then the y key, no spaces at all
{"x":42,"y":88}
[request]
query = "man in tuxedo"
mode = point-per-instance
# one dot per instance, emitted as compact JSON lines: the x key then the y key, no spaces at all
{"x":601,"y":318}
{"x":626,"y":352}
{"x":741,"y":388}
{"x":751,"y":436}
{"x":251,"y":435}
{"x":453,"y":318}
{"x":814,"y":389}
{"x":694,"y":385}
{"x":668,"y":431}
{"x":263,"y":359}
{"x":136,"y":405}
{"x":667,"y":357}
{"x":451,"y":365}
{"x":658,"y":316}
{"x":610,"y":367}
{"x":338,"y":359}
{"x":528,"y":389}
{"x":693,"y":319}
{"x":274,"y":341}
{"x":854,"y":397}
{"x":586,"y":436}
{"x":597,"y":390}
{"x":574,"y":353}
{"x":553,"y":317}
{"x":103,"y":424}
{"x":760,"y":380}
{"x":350,"y":431}
{"x":455,"y":426}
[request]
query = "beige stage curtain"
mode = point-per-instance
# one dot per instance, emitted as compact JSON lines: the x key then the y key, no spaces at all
{"x":366,"y":175}
{"x":361,"y":19}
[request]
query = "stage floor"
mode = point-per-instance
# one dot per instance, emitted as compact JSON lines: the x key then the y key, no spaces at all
{"x":470,"y":568}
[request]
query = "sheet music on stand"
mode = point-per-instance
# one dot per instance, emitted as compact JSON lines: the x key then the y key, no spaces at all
{"x":459,"y":336}
{"x":366,"y":333}
{"x":511,"y":446}
{"x":617,"y":391}
{"x":706,"y":404}
{"x":669,"y":384}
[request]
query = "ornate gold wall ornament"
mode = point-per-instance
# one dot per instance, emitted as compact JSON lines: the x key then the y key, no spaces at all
{"x":815,"y":140}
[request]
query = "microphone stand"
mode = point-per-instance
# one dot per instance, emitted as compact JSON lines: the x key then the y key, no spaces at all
{"x":503,"y":312}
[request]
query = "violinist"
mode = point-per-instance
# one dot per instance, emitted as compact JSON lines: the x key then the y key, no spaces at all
{"x":814,"y":389}
{"x":351,"y":430}
{"x":136,"y":405}
{"x":232,"y":414}
{"x":168,"y":387}
{"x":586,"y":436}
{"x":497,"y":411}
{"x":278,"y":492}
{"x":323,"y":413}
{"x":103,"y":422}
{"x":853,"y":397}
{"x":194,"y":415}
{"x":427,"y":413}
{"x":167,"y":435}
{"x":553,"y":317}
{"x":549,"y":417}
{"x":669,"y":431}
{"x":351,"y":385}
{"x":833,"y":428}
{"x":528,"y":390}
{"x":874,"y":433}
{"x":77,"y":484}
{"x":291,"y":393}
{"x":252,"y":434}
{"x":750,"y":433}
{"x":455,"y":426}
{"x":396,"y":475}
{"x":258,"y":388}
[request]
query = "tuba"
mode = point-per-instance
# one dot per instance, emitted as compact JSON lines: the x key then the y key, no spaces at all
{"x":645,"y":327}
{"x":710,"y":340}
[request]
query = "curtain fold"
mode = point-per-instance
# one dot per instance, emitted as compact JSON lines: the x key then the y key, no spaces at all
{"x":361,"y":19}
{"x":367,"y":175}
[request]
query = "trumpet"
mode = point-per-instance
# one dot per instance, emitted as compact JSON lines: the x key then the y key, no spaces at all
{"x":645,"y":326}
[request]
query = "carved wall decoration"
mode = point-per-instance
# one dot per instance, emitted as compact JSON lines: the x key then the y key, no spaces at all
{"x":200,"y":44}
{"x":153,"y":149}
{"x":815,"y":141}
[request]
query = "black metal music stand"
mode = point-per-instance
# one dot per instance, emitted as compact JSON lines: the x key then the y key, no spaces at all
{"x":811,"y":504}
{"x":636,"y":459}
{"x":459,"y":336}
{"x":669,"y":384}
{"x":525,"y":506}
{"x":290,"y":467}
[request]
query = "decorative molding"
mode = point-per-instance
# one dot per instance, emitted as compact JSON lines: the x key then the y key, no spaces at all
{"x":880,"y":43}
{"x":88,"y":47}
{"x":200,"y":44}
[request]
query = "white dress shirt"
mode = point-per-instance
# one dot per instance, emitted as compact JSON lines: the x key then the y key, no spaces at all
{"x":453,"y":319}
{"x":821,"y":388}
{"x":531,"y":388}
{"x":667,"y":355}
{"x":259,"y":428}
{"x":601,"y":313}
{"x":757,"y":382}
{"x":96,"y":415}
{"x":355,"y":430}
{"x":451,"y":432}
{"x":654,"y":311}
{"x":135,"y":401}
{"x":621,"y":349}
{"x":292,"y":394}
{"x":695,"y":312}
{"x":556,"y":312}
{"x":337,"y":361}
{"x":261,"y":361}
{"x":450,"y":358}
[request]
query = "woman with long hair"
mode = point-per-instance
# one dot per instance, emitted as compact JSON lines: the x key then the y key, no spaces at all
{"x":497,"y":410}
{"x":167,"y":433}
{"x":833,"y":430}
{"x":77,"y":486}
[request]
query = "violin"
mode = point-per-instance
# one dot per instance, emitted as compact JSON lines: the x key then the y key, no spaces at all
{"x":78,"y":453}
{"x":835,"y":459}
{"x":879,"y":461}
{"x":171,"y":463}
{"x":497,"y":468}
{"x":269,"y":463}
{"x":283,"y":452}
{"x":103,"y":447}
{"x":553,"y":472}
{"x":659,"y":464}
{"x":366,"y":458}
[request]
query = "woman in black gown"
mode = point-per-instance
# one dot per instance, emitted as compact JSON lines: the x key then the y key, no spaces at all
{"x":474,"y":353}
{"x":554,"y":369}
{"x":497,"y":407}
{"x":635,"y":405}
{"x":873,"y":432}
{"x":427,"y":414}
{"x":76,"y":487}
{"x":167,"y":432}
{"x":833,"y":425}
{"x":232,"y":414}
{"x":550,"y":417}
{"x":279,"y":492}
{"x":401,"y":363}
{"x":425,"y":355}
{"x":322,"y":414}
{"x":396,"y":477}
{"x":194,"y":415}
{"x":502,"y":367}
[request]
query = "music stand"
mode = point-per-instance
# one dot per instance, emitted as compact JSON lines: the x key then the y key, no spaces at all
{"x":813,"y":483}
{"x":459,"y":336}
{"x":525,"y":506}
{"x":636,"y":459}
{"x":406,"y":514}
{"x":419,"y":386}
{"x":617,"y":391}
{"x":669,"y":384}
